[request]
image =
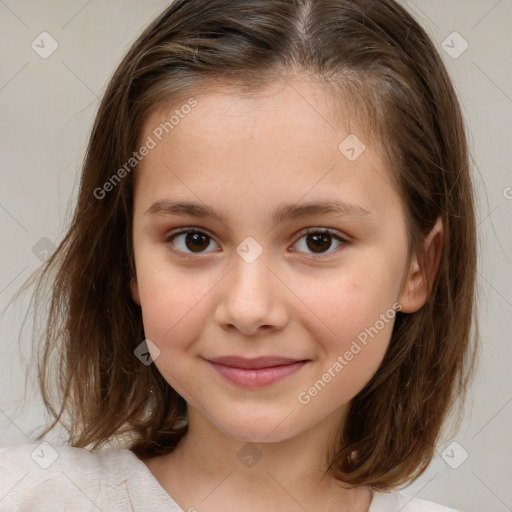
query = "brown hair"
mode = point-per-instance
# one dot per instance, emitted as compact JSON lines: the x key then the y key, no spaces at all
{"x":371,"y":51}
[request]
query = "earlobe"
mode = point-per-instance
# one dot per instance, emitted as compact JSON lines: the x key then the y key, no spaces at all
{"x":134,"y":290}
{"x":422,"y":272}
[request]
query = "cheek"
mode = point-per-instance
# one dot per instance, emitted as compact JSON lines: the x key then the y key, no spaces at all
{"x":352,"y":303}
{"x":172,"y":304}
{"x":351,"y":349}
{"x":173,"y":316}
{"x":354,"y":326}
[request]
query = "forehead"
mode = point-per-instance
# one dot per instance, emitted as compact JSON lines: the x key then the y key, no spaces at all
{"x":284,"y":139}
{"x":296,"y":110}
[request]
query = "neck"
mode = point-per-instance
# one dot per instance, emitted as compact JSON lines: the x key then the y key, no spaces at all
{"x":284,"y":473}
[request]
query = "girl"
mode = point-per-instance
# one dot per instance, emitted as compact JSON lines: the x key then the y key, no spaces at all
{"x":265,"y":296}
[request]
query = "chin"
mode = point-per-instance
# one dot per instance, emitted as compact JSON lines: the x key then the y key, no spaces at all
{"x":264,"y":428}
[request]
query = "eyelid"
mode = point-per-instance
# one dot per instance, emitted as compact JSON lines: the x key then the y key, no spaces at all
{"x":344,"y":239}
{"x":321,"y":229}
{"x":188,"y":229}
{"x":183,"y":231}
{"x":341,"y":237}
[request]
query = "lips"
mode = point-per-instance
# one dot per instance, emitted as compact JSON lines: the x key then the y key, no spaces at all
{"x":258,"y":372}
{"x":255,"y":363}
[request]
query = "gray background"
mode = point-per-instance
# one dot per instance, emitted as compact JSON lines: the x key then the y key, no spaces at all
{"x":47,"y":109}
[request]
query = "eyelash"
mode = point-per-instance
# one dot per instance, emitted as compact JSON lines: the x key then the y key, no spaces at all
{"x":320,"y":230}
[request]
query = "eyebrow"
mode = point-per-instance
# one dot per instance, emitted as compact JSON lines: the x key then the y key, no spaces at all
{"x":282,"y":213}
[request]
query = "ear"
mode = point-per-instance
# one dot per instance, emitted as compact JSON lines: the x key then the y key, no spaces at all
{"x":134,"y":290}
{"x":422,"y":272}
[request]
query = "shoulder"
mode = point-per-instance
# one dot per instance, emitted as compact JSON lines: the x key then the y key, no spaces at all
{"x":395,"y":501}
{"x":43,"y":476}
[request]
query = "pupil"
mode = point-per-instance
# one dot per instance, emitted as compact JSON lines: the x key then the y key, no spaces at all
{"x":197,"y":241}
{"x":322,"y":239}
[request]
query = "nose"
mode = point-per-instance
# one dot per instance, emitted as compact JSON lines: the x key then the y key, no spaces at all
{"x":252,"y":298}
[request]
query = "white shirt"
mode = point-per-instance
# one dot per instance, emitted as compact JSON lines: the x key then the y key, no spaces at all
{"x":39,"y":477}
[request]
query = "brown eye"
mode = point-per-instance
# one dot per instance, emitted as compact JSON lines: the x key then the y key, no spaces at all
{"x":197,"y":242}
{"x":190,"y":241}
{"x":319,"y":241}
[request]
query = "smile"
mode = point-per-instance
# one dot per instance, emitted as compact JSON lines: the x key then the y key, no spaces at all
{"x":259,"y":376}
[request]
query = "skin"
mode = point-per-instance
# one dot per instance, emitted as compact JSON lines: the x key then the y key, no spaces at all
{"x":243,"y":157}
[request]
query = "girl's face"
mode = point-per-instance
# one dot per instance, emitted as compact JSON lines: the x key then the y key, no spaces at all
{"x":256,"y":277}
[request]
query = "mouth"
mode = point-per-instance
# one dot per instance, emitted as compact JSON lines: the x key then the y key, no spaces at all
{"x":258,"y":372}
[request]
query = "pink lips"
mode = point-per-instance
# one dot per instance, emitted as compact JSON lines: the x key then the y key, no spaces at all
{"x":258,"y":372}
